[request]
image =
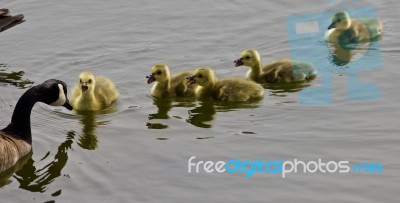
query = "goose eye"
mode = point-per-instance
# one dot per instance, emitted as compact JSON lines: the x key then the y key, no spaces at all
{"x":338,"y":21}
{"x":90,"y":81}
{"x":247,"y":57}
{"x":159,"y":72}
{"x":200,"y":76}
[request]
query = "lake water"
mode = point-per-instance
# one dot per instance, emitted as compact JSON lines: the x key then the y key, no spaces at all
{"x":140,"y":152}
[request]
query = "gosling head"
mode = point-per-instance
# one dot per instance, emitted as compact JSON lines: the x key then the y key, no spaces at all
{"x":159,"y":73}
{"x":341,"y":21}
{"x":250,"y":58}
{"x":54,"y":92}
{"x":86,"y":81}
{"x":203,"y":76}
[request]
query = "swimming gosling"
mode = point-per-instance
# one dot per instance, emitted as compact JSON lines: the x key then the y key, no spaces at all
{"x":233,"y":89}
{"x":16,"y":138}
{"x":167,"y":86}
{"x":93,"y":93}
{"x":276,"y":72}
{"x":345,"y":30}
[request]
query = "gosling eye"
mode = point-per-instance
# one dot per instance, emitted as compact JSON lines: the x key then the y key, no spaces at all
{"x":90,"y":81}
{"x":338,"y":21}
{"x":80,"y":81}
{"x":200,"y":76}
{"x":247,"y":57}
{"x":159,"y":72}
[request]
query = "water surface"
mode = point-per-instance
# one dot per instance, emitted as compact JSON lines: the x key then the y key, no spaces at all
{"x":139,"y":153}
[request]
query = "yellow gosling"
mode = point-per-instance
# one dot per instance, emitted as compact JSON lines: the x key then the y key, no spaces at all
{"x":345,"y":30}
{"x":277,"y":72}
{"x":167,"y":86}
{"x":93,"y":93}
{"x":233,"y":90}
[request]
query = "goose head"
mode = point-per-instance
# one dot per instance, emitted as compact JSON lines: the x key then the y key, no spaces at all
{"x":54,"y":93}
{"x":87,"y":82}
{"x":341,"y":21}
{"x":159,"y":73}
{"x":250,"y":58}
{"x":203,"y":76}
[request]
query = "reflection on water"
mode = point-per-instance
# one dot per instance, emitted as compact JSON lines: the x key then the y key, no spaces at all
{"x":88,"y":139}
{"x":7,"y":174}
{"x":343,"y":53}
{"x":205,"y":111}
{"x":164,"y":105}
{"x":37,"y":179}
{"x":13,"y":78}
{"x":280,"y":90}
{"x":202,"y":115}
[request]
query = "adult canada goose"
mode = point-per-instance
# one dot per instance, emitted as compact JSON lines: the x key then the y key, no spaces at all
{"x":7,"y":20}
{"x":345,"y":30}
{"x":167,"y":86}
{"x":93,"y":93}
{"x":233,"y":89}
{"x":16,"y":138}
{"x":276,"y":72}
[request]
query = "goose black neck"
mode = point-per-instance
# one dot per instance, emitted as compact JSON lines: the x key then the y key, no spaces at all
{"x":20,"y":125}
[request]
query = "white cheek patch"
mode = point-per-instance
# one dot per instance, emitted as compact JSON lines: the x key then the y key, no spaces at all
{"x":61,"y":97}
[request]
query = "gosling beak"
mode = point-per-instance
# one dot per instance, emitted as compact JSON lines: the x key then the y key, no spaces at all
{"x":67,"y":105}
{"x":332,"y":25}
{"x":84,"y":87}
{"x":151,"y":78}
{"x":191,"y":80}
{"x":238,"y":62}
